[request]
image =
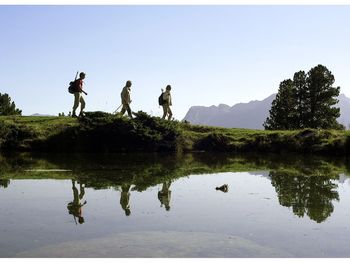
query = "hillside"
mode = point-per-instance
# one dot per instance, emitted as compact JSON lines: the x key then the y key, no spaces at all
{"x":103,"y":132}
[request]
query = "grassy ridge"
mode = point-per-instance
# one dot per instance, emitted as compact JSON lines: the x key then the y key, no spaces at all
{"x":102,"y":132}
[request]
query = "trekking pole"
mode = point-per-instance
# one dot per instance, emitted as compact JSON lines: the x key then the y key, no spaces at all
{"x":114,"y":112}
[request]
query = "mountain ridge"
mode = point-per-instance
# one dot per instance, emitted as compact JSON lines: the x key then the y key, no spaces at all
{"x":249,"y":115}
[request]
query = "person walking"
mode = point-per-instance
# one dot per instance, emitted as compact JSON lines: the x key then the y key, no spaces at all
{"x":78,"y":96}
{"x":125,"y":96}
{"x":167,"y":103}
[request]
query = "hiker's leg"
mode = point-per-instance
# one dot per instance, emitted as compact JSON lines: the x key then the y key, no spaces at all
{"x":76,"y":102}
{"x":82,"y":104}
{"x":165,"y":111}
{"x":129,"y":111}
{"x":123,"y":110}
{"x":170,"y":114}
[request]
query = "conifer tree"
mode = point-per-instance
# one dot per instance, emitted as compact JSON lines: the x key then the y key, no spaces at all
{"x":7,"y":107}
{"x":282,"y":108}
{"x":301,"y":96}
{"x":322,"y":98}
{"x":307,"y":101}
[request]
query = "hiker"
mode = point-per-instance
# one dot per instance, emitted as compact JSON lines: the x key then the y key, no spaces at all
{"x":78,"y":97}
{"x":167,"y":103}
{"x":75,"y":206}
{"x":164,"y":195}
{"x":124,"y":199}
{"x":125,"y":96}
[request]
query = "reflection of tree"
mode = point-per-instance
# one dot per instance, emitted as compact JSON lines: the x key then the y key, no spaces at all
{"x":75,"y":207}
{"x":164,"y":195}
{"x":4,"y":183}
{"x":310,"y":195}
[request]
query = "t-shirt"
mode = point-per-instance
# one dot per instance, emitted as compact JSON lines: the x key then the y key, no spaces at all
{"x":79,"y":85}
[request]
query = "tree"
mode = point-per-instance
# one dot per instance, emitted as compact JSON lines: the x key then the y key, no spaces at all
{"x":282,"y":108}
{"x":300,"y":95}
{"x":307,"y":101}
{"x":322,"y":96}
{"x":7,"y":107}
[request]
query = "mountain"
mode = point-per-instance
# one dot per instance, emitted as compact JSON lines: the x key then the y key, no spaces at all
{"x":249,"y":115}
{"x":41,"y":115}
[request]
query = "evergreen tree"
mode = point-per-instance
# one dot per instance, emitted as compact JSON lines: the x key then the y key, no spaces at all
{"x":282,"y":109}
{"x":301,"y":96}
{"x":306,"y":102}
{"x":322,"y":96}
{"x":7,"y":107}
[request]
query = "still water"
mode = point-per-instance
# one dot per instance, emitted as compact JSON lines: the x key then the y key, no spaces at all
{"x":167,"y":206}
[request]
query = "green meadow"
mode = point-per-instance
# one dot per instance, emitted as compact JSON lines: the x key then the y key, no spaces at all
{"x":103,"y":132}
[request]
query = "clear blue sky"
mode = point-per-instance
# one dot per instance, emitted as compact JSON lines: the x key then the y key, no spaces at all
{"x":209,"y":54}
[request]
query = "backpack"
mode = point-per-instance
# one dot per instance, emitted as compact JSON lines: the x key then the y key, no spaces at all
{"x":161,"y":100}
{"x":73,"y":86}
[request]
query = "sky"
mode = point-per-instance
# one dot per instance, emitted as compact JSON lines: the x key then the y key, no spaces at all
{"x":208,"y":54}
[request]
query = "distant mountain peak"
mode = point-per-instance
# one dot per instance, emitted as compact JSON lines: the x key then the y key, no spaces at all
{"x":41,"y":115}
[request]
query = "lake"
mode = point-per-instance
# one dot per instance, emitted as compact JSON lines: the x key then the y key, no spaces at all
{"x":161,"y":205}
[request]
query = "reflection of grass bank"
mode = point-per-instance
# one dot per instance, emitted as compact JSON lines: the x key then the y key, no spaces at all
{"x":145,"y":170}
{"x":306,"y":183}
{"x":102,"y":132}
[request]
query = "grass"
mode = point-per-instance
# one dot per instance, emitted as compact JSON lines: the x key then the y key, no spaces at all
{"x":103,"y":132}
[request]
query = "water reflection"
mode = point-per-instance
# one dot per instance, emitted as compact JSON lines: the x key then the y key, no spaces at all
{"x":125,"y":198}
{"x":310,"y":195}
{"x":307,"y":184}
{"x":75,"y":207}
{"x":4,"y":183}
{"x":164,"y":195}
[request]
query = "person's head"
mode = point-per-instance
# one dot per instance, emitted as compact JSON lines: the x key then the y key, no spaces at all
{"x":82,"y":75}
{"x":168,"y":87}
{"x":128,"y":84}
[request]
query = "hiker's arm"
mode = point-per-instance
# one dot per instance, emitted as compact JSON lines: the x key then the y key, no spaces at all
{"x":80,"y":87}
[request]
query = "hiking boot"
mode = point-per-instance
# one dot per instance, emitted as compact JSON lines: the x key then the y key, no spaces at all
{"x":81,"y":114}
{"x":74,"y":116}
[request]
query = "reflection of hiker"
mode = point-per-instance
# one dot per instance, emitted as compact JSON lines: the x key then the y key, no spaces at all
{"x":164,"y":195}
{"x":125,"y":96}
{"x":124,"y":199}
{"x":78,"y":96}
{"x":74,"y":207}
{"x":167,"y":103}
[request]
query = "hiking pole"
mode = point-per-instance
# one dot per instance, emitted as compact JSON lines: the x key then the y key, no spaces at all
{"x":114,"y":112}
